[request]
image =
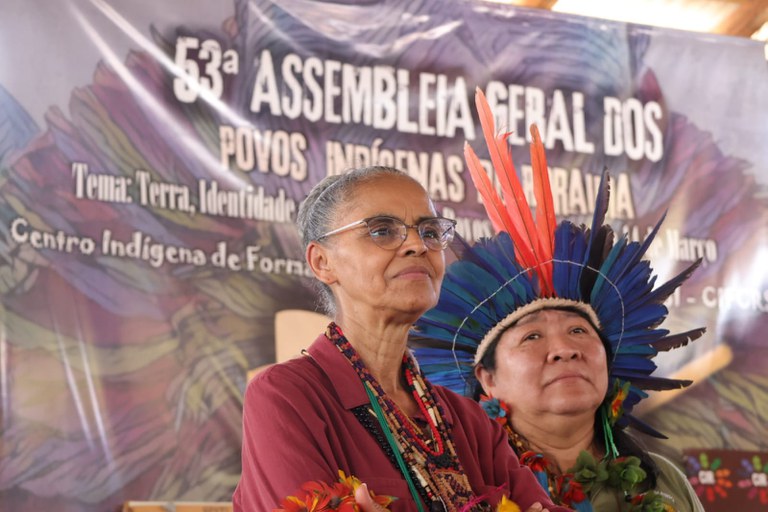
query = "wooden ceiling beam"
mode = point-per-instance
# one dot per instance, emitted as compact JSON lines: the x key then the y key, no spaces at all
{"x":748,"y":17}
{"x":745,"y":20}
{"x":537,"y":4}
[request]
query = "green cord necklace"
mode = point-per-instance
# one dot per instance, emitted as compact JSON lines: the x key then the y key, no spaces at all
{"x":393,"y":444}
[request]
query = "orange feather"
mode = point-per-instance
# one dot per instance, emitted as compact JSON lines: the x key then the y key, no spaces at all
{"x":534,"y":241}
{"x":545,"y":209}
{"x":501,"y":159}
{"x":493,"y":205}
{"x":522,"y":228}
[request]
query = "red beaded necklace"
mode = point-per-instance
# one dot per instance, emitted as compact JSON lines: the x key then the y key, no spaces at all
{"x":426,"y":406}
{"x":437,"y":468}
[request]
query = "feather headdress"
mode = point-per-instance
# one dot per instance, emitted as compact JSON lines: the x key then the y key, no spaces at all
{"x":531,"y":265}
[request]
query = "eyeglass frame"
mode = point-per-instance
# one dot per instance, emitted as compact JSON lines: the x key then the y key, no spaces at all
{"x":364,"y":222}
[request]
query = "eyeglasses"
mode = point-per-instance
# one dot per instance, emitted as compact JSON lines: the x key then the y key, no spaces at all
{"x":389,"y":233}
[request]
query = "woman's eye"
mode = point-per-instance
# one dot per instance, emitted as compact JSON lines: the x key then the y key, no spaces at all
{"x":579,"y":330}
{"x":382,"y":229}
{"x":430,"y":233}
{"x":532,"y":336}
{"x":431,"y":230}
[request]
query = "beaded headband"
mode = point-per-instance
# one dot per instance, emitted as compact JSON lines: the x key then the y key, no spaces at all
{"x":528,"y":266}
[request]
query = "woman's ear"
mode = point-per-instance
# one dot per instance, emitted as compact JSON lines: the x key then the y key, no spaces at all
{"x":319,"y":262}
{"x":485,"y":378}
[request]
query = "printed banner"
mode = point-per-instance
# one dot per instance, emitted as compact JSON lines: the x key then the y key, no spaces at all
{"x":153,"y":158}
{"x":728,"y":480}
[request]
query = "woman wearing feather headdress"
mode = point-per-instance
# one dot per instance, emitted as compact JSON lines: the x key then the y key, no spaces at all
{"x":553,"y":328}
{"x":355,"y":403}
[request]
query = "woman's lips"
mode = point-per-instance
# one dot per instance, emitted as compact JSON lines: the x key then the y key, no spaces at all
{"x":416,"y":272}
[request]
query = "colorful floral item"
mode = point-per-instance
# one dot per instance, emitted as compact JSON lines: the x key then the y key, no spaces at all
{"x":574,"y":487}
{"x":507,"y":505}
{"x":495,"y":408}
{"x":320,"y":496}
{"x":649,"y":502}
{"x":709,"y":480}
{"x":755,"y":474}
{"x":616,"y":404}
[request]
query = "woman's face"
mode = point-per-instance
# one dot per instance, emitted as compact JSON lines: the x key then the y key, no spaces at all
{"x":366,"y":278}
{"x":550,"y":362}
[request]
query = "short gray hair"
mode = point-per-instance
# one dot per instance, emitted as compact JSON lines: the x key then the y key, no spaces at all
{"x":319,"y":210}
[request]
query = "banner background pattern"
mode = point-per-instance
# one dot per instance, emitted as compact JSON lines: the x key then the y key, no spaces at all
{"x":147,"y":234}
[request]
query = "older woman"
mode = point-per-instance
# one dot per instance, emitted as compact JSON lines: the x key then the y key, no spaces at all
{"x":356,"y":402}
{"x":556,"y":326}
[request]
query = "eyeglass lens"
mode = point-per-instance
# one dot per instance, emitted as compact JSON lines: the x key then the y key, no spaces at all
{"x":390,"y":233}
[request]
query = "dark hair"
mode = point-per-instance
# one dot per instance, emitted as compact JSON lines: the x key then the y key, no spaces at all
{"x":320,"y":208}
{"x":625,"y":443}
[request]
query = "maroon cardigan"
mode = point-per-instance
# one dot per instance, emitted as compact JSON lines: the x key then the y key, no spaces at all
{"x":298,"y":426}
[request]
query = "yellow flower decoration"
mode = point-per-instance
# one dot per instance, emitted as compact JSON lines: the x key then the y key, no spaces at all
{"x":350,"y":480}
{"x":507,"y":505}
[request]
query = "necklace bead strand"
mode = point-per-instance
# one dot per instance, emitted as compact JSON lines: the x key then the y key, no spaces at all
{"x":436,"y":468}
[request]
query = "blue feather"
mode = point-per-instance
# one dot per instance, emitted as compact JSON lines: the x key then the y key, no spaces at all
{"x":487,"y":283}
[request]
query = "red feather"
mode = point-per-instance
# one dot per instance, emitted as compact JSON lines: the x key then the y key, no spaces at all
{"x":501,"y":159}
{"x":534,"y":245}
{"x":493,"y":205}
{"x":545,"y":208}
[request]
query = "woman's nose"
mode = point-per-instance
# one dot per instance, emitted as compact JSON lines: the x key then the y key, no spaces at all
{"x":413,"y":244}
{"x":563,"y":351}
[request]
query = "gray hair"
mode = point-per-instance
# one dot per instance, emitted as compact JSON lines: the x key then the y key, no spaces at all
{"x":318,"y":212}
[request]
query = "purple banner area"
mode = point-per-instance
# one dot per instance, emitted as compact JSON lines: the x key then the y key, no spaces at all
{"x":153,"y":157}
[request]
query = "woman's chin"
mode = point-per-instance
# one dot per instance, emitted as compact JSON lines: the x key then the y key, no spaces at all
{"x":419,"y":301}
{"x":573,"y":408}
{"x":412,"y":311}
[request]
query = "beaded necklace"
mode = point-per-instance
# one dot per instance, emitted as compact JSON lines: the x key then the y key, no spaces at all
{"x":432,"y":463}
{"x":573,"y":490}
{"x":562,"y":488}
